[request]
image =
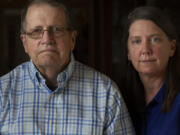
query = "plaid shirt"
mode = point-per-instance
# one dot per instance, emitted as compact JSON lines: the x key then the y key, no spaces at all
{"x":85,"y":102}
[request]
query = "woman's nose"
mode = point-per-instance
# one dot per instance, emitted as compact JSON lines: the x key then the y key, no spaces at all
{"x":146,"y":47}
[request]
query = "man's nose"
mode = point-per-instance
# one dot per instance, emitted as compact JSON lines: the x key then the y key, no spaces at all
{"x":46,"y":36}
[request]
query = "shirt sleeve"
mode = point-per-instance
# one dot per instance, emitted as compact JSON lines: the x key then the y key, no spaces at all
{"x":118,"y":121}
{"x":0,"y":104}
{"x":0,"y":97}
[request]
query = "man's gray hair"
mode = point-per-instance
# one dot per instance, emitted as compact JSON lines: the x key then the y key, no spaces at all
{"x":52,"y":3}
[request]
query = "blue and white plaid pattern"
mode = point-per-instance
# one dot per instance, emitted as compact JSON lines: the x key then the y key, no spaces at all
{"x":85,"y":103}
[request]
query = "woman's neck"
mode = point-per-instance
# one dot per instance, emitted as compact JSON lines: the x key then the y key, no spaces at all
{"x":152,"y":85}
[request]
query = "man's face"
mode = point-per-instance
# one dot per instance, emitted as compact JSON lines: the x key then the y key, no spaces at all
{"x":49,"y":51}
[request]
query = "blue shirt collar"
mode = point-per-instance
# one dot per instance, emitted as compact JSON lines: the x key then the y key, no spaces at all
{"x":160,"y":96}
{"x":62,"y":77}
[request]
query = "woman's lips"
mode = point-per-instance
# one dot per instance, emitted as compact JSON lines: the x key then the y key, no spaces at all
{"x":149,"y":60}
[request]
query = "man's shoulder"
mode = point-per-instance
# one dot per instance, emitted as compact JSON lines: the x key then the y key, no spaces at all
{"x":98,"y":81}
{"x":88,"y":73}
{"x":17,"y":71}
{"x":83,"y":69}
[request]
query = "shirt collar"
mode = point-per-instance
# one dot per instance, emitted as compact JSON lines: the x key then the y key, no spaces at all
{"x":160,"y":96}
{"x":62,"y":78}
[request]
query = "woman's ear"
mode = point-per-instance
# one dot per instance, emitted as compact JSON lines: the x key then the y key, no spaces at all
{"x":129,"y":57}
{"x":173,"y":47}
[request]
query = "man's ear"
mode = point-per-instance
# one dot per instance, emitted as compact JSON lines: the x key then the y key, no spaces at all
{"x":73,"y":39}
{"x":23,"y":39}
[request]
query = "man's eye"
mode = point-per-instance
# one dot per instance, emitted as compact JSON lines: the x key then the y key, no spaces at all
{"x":36,"y":30}
{"x":57,"y":29}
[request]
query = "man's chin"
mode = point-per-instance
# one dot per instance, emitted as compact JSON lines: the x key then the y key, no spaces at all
{"x":48,"y":63}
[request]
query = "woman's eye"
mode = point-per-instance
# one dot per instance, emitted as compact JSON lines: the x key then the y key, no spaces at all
{"x":155,"y":40}
{"x":136,"y":41}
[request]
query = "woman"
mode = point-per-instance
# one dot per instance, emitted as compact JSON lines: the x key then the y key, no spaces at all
{"x":150,"y":79}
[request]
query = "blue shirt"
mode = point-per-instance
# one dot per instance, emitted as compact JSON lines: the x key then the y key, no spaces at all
{"x":85,"y":102}
{"x":154,"y":122}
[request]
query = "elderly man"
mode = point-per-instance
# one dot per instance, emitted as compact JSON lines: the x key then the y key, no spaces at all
{"x":53,"y":93}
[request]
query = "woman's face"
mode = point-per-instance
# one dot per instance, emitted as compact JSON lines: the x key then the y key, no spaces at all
{"x":149,"y":48}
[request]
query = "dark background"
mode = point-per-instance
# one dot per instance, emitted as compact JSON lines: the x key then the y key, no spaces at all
{"x":99,"y":24}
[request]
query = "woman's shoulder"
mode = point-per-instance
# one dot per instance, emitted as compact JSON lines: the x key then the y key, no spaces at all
{"x":177,"y":101}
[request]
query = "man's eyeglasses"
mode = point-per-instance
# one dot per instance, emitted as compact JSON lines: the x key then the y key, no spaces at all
{"x":54,"y":31}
